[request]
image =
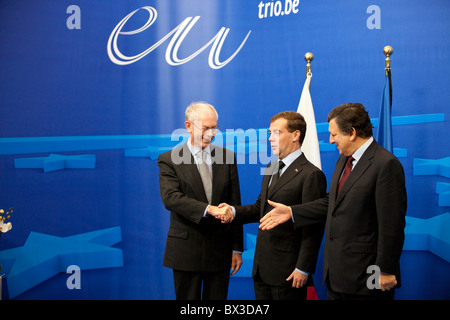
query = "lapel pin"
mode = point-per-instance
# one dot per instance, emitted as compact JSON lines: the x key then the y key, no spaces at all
{"x":296,"y":170}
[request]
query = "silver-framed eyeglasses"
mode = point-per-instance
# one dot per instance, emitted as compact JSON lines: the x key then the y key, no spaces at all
{"x":205,"y":129}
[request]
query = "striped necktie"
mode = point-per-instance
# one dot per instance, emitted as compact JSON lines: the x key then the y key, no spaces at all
{"x":205,"y":175}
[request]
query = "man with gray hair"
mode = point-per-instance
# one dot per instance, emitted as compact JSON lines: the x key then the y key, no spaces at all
{"x":194,"y":179}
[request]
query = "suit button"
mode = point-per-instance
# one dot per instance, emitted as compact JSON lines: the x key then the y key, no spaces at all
{"x":331,"y":239}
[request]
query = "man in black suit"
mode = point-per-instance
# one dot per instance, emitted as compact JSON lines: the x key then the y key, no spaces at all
{"x":194,"y":178}
{"x":285,"y":257}
{"x":364,"y":210}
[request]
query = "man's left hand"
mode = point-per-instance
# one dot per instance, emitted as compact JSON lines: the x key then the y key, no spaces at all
{"x":236,"y":262}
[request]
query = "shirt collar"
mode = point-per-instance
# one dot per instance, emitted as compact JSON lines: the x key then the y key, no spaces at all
{"x":291,"y":157}
{"x":194,"y":150}
{"x":360,"y":151}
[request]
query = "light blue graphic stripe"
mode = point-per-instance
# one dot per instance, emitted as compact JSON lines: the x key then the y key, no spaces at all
{"x":398,"y":121}
{"x":81,"y":143}
{"x":10,"y":146}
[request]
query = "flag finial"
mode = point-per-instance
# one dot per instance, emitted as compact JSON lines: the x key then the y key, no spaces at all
{"x":388,"y":51}
{"x":308,"y":57}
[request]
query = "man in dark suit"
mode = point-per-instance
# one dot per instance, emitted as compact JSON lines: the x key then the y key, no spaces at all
{"x":364,"y":210}
{"x":194,"y":178}
{"x":285,"y":257}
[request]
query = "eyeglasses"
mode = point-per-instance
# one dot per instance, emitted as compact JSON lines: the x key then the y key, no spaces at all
{"x":204,"y":129}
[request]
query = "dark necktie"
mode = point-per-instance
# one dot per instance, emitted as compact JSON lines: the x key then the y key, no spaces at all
{"x":276,"y":175}
{"x":347,"y":170}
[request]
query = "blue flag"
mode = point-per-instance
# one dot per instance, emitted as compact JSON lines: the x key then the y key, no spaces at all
{"x":384,"y":135}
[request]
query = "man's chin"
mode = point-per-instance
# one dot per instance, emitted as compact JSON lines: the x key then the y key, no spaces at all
{"x":205,"y":143}
{"x":275,"y":152}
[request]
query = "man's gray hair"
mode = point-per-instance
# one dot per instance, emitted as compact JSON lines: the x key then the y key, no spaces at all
{"x":195,"y":108}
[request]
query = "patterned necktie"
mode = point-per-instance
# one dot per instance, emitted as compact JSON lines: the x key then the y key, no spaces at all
{"x":205,"y":175}
{"x":347,"y":170}
{"x":276,"y":175}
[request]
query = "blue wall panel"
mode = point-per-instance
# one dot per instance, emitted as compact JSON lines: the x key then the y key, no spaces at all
{"x":80,"y":132}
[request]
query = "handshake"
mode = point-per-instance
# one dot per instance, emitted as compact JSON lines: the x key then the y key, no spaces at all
{"x":278,"y":215}
{"x":223,"y":212}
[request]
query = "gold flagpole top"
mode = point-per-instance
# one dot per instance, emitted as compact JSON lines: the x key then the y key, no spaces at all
{"x":388,"y":51}
{"x":308,"y":57}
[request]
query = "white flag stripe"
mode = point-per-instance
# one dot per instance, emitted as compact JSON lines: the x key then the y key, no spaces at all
{"x":310,"y":146}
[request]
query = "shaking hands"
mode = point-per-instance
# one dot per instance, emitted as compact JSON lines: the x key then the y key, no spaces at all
{"x":223,"y":212}
{"x":279,"y":214}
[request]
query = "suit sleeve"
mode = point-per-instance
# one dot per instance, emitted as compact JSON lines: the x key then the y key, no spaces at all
{"x":172,"y":196}
{"x":391,"y":203}
{"x":238,"y":230}
{"x":248,"y":213}
{"x":251,"y":212}
{"x":314,"y":188}
{"x":310,"y":213}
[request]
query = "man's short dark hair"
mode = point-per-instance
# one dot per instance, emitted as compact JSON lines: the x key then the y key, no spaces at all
{"x":352,"y":115}
{"x":295,"y":121}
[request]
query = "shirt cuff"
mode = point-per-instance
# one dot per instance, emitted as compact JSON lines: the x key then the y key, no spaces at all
{"x":206,"y":211}
{"x":302,"y":272}
{"x":234,"y":212}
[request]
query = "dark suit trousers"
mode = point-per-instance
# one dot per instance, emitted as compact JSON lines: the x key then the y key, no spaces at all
{"x":201,"y":285}
{"x":263,"y":291}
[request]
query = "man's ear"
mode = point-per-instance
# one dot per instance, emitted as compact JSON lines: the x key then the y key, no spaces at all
{"x":353,"y":134}
{"x":296,"y":136}
{"x":188,"y":126}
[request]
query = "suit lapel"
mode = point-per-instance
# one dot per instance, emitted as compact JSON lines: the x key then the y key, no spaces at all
{"x":361,"y":166}
{"x":295,"y":168}
{"x":340,"y":164}
{"x":265,"y":186}
{"x":193,"y":177}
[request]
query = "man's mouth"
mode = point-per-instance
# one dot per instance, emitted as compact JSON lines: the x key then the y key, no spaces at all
{"x":207,"y":139}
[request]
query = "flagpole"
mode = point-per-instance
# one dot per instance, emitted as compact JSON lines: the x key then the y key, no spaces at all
{"x":388,"y":51}
{"x":308,"y":57}
{"x":384,"y":133}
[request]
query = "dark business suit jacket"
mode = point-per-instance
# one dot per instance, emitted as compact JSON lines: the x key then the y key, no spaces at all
{"x":280,"y":250}
{"x":197,"y":243}
{"x":365,"y":223}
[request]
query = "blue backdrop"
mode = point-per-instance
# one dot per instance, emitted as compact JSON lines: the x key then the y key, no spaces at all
{"x":91,"y":92}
